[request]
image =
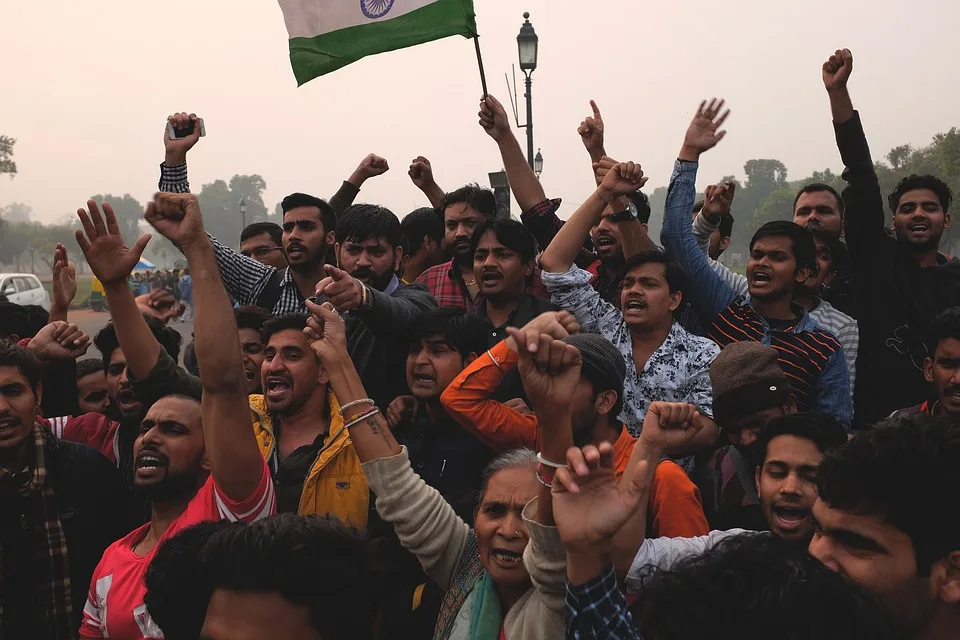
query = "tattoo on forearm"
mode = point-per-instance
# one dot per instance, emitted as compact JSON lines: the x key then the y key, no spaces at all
{"x":375,"y":429}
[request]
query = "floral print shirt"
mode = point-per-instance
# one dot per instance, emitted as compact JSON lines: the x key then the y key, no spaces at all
{"x":678,"y":371}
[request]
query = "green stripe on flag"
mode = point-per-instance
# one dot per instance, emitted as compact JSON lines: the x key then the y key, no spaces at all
{"x":313,"y":57}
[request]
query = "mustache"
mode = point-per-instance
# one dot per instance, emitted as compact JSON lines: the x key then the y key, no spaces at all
{"x":363,"y":272}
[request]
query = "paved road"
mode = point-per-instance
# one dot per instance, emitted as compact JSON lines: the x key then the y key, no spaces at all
{"x":92,"y":321}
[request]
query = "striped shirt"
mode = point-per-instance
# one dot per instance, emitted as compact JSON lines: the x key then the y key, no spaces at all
{"x":804,"y":351}
{"x":816,"y":359}
{"x":827,"y":317}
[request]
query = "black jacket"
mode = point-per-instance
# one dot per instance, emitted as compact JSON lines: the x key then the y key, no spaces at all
{"x":894,"y":298}
{"x":91,"y":503}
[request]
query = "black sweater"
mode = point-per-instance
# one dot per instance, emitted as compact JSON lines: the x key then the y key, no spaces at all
{"x":895,"y":299}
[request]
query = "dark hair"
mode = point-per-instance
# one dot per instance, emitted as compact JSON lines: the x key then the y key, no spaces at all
{"x":945,"y":325}
{"x":297,"y":321}
{"x":177,"y":592}
{"x":327,"y":215}
{"x":801,"y":239}
{"x":38,"y":317}
{"x":421,"y":222}
{"x":250,"y":317}
{"x":756,"y":587}
{"x":362,"y":222}
{"x":925,"y":181}
{"x":674,"y":273}
{"x":288,"y":555}
{"x":14,"y":321}
{"x":726,"y":226}
{"x":839,"y":254}
{"x":510,"y":233}
{"x":899,"y":471}
{"x":12,"y":355}
{"x":88,"y":366}
{"x":474,"y":196}
{"x":823,"y":430}
{"x":169,"y":338}
{"x":272,"y":229}
{"x":642,"y":203}
{"x":815,"y":187}
{"x":462,"y":331}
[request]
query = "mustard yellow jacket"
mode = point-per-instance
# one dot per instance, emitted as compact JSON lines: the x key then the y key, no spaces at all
{"x":335,"y":484}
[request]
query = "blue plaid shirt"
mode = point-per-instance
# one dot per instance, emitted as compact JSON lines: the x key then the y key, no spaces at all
{"x":598,"y":609}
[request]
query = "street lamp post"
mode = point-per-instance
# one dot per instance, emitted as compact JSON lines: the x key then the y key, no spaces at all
{"x":501,"y":191}
{"x":538,"y":163}
{"x":527,"y":42}
{"x":243,"y":211}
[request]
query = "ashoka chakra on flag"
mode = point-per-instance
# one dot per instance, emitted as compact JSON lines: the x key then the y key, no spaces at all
{"x":328,"y":34}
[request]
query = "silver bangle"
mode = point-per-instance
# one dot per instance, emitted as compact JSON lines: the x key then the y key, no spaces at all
{"x":355,"y":403}
{"x":547,"y":463}
{"x":361,"y":418}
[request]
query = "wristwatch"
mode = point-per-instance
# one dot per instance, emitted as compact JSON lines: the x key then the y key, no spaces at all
{"x":630,"y":213}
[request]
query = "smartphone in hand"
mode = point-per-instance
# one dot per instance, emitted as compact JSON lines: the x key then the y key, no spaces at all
{"x":177,"y":133}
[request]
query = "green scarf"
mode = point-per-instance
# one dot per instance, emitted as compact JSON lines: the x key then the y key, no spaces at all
{"x":485,"y":616}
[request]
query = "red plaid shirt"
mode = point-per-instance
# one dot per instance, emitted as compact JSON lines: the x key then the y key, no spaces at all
{"x":542,"y":221}
{"x":447,"y":286}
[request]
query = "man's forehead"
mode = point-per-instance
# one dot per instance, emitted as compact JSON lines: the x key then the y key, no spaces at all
{"x":299,"y":214}
{"x":261,"y":239}
{"x":368,"y":243}
{"x":174,"y":409}
{"x":656,"y":270}
{"x":771,"y":243}
{"x":919,"y":196}
{"x":116,"y":357}
{"x":814,"y":198}
{"x":287,"y":338}
{"x":461,"y":211}
{"x":794,"y":451}
{"x":11,"y":375}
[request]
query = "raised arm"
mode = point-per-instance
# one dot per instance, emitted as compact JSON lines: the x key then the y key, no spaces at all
{"x":524,"y":183}
{"x":617,"y":179}
{"x":64,"y":284}
{"x":666,"y":425}
{"x":237,"y":465}
{"x":864,"y":217}
{"x":370,"y":167}
{"x":591,"y":132}
{"x":112,"y":262}
{"x":173,"y":170}
{"x":421,"y":175}
{"x":709,"y":294}
{"x":424,"y":522}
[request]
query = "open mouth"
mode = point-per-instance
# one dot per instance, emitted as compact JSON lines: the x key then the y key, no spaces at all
{"x":761,"y":278}
{"x":491,"y":278}
{"x":507,"y":558}
{"x":606,"y":242}
{"x":424,"y":379}
{"x":9,"y":424}
{"x":919,"y":227}
{"x":296,"y":250}
{"x":789,"y":516}
{"x":635,"y":304}
{"x":127,"y":397}
{"x":277,"y":387}
{"x":151,"y":460}
{"x":250,"y":374}
{"x":952,"y":394}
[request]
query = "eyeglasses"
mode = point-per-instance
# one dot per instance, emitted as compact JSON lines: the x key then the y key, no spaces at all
{"x":261,"y":252}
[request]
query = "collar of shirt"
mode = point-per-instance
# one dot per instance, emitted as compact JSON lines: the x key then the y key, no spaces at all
{"x":803,"y":321}
{"x":392,"y":286}
{"x":524,"y":313}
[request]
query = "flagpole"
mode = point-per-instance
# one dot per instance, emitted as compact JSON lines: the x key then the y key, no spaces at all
{"x":483,"y":77}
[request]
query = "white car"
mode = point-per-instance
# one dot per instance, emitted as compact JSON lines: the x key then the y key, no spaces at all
{"x":23,"y":289}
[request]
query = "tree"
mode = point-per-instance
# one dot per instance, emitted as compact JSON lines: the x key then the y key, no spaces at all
{"x":765,"y":175}
{"x":129,"y":213}
{"x":220,"y":203}
{"x":16,"y":212}
{"x":7,"y":165}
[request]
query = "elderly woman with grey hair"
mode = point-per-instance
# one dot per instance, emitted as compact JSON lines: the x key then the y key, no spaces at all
{"x":507,"y":575}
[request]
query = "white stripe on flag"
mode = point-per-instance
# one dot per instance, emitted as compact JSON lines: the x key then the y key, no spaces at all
{"x":311,"y":18}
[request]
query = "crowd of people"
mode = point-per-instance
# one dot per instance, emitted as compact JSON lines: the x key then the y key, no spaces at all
{"x":460,"y":426}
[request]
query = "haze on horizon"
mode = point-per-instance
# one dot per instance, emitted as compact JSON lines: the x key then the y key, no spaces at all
{"x":87,"y":86}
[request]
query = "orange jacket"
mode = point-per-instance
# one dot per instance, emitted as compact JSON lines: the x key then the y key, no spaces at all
{"x":675,"y":508}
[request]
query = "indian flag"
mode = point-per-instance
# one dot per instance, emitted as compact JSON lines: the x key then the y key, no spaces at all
{"x":328,"y":34}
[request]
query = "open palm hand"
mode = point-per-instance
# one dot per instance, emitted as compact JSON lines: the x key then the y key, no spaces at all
{"x":110,"y":259}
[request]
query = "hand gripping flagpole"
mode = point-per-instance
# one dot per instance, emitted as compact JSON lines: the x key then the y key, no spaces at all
{"x":483,"y":78}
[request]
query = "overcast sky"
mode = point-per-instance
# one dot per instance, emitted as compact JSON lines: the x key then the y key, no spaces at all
{"x":86,"y":87}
